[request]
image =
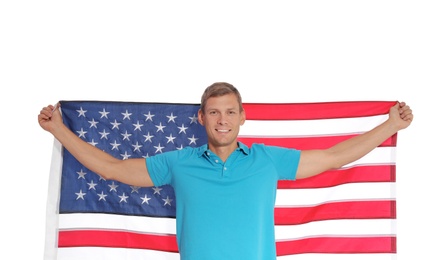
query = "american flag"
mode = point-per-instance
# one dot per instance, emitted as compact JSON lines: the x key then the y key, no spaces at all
{"x":348,"y":213}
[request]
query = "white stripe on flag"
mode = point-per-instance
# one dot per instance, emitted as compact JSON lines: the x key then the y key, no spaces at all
{"x":345,"y":192}
{"x":109,"y":253}
{"x":376,"y":256}
{"x":321,"y":127}
{"x":95,"y":253}
{"x":117,"y":222}
{"x":378,"y":156}
{"x":339,"y":227}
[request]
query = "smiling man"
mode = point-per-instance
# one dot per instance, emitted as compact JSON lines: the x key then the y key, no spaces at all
{"x":222,"y":115}
{"x":225,"y":191}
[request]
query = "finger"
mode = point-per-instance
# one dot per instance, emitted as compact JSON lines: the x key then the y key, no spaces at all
{"x":407,"y":114}
{"x":402,"y":107}
{"x":406,"y":110}
{"x":46,"y":111}
{"x":43,"y":116}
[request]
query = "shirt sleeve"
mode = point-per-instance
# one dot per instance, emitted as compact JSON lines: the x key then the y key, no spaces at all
{"x":158,"y":168}
{"x":286,"y":161}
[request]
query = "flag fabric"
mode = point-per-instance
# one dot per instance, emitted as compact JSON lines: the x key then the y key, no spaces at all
{"x":347,"y":213}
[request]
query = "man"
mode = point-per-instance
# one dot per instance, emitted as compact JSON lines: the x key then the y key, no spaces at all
{"x":209,"y":181}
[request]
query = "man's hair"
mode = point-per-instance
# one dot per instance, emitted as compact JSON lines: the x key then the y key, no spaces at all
{"x":218,"y":89}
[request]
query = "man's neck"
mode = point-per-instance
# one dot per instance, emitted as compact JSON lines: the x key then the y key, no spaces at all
{"x":223,"y":152}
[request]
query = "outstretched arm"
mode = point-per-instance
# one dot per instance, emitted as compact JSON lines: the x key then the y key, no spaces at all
{"x":130,"y":171}
{"x":313,"y":162}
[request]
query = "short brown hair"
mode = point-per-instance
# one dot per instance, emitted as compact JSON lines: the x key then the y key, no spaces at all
{"x":218,"y":89}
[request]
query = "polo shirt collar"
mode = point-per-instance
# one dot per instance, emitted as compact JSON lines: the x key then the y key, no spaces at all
{"x":202,"y":150}
{"x":241,"y":147}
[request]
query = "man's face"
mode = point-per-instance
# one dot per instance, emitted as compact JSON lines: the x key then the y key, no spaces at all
{"x":222,"y":120}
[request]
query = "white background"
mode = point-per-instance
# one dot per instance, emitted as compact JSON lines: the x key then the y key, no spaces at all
{"x":272,"y":51}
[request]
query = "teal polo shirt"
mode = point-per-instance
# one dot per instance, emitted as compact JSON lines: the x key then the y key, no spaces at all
{"x":225,"y":210}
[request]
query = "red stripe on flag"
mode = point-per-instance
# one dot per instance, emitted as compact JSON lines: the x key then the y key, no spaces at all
{"x":374,"y":173}
{"x":98,"y":238}
{"x":308,"y":142}
{"x":102,"y":238}
{"x":305,"y":111}
{"x":336,"y":210}
{"x":340,"y":245}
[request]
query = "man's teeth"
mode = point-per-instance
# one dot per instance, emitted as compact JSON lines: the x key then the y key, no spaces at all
{"x":224,"y":131}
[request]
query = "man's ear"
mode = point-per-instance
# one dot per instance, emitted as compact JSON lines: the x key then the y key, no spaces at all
{"x":200,"y":117}
{"x":243,"y":117}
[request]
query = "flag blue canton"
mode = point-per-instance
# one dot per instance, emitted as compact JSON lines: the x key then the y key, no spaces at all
{"x":125,"y":130}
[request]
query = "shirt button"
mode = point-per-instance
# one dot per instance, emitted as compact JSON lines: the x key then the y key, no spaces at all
{"x":216,"y":161}
{"x":225,"y":168}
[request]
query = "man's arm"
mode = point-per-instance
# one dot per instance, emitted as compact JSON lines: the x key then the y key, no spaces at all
{"x":313,"y":162}
{"x":130,"y":171}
